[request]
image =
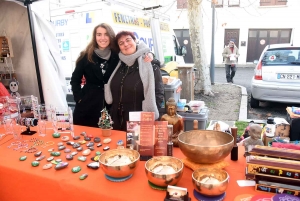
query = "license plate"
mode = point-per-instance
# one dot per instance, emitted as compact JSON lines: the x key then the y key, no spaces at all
{"x":288,"y":76}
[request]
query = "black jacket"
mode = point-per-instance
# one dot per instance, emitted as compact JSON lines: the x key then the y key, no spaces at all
{"x":90,"y":99}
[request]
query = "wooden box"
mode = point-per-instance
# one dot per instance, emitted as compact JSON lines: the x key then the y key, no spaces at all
{"x":273,"y":167}
{"x":276,"y":152}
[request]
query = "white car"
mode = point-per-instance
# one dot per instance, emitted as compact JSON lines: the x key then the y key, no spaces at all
{"x":277,"y":75}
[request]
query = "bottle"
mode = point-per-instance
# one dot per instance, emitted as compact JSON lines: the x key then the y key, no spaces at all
{"x":235,"y":151}
{"x":270,"y":127}
{"x":170,"y":143}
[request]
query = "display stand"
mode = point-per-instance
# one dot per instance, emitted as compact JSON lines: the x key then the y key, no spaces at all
{"x":63,"y":121}
{"x":28,"y":122}
{"x":28,"y":131}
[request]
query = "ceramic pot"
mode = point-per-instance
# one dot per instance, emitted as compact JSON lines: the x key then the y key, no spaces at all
{"x":106,"y":132}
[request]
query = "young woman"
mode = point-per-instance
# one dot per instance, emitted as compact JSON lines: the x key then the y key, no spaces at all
{"x":135,"y":85}
{"x":96,"y":63}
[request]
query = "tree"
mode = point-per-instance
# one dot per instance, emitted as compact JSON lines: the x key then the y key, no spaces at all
{"x":203,"y":83}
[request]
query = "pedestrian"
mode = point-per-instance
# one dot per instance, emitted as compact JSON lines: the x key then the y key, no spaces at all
{"x":135,"y":85}
{"x":230,"y":54}
{"x":93,"y":68}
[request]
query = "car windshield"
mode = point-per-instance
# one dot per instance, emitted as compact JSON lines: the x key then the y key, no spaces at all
{"x":282,"y":56}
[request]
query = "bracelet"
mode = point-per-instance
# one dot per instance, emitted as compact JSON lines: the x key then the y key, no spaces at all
{"x":33,"y":139}
{"x":14,"y":144}
{"x":31,"y":150}
{"x":38,"y":142}
{"x":49,"y":143}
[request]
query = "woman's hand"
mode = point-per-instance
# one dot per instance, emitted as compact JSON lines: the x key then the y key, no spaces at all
{"x":148,"y":57}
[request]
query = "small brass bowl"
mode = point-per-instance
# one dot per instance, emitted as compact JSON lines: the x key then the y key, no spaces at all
{"x":205,"y":146}
{"x":164,"y":170}
{"x":118,"y":163}
{"x":210,"y":181}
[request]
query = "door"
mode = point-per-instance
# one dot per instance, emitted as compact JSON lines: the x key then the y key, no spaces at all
{"x":231,"y":34}
{"x":183,"y":37}
{"x":258,"y":39}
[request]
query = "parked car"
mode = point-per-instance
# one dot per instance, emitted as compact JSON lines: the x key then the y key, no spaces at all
{"x":277,"y":75}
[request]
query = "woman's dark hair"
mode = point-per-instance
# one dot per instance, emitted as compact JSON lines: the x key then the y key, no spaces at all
{"x":93,"y":43}
{"x":124,"y":33}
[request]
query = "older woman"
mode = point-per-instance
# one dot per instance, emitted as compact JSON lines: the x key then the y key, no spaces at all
{"x":135,"y":85}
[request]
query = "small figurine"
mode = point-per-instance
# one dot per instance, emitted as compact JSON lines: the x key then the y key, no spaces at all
{"x":14,"y":87}
{"x":253,"y":139}
{"x":173,"y":119}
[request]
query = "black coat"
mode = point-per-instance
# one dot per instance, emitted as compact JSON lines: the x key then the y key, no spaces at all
{"x":90,"y":99}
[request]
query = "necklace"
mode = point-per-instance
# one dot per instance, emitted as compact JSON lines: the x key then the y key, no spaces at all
{"x":103,"y":67}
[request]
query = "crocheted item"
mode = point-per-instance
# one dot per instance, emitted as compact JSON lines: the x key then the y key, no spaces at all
{"x":113,"y":179}
{"x":160,"y":188}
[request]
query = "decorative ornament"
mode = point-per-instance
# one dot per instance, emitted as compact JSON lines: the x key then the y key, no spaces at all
{"x":14,"y":87}
{"x":105,"y":121}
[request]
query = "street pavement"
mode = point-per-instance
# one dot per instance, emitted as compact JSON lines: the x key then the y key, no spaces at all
{"x":243,"y":77}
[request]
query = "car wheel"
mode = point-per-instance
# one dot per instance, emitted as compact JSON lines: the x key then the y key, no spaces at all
{"x":253,"y":102}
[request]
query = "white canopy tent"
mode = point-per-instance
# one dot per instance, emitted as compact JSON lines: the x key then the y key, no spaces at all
{"x":14,"y":24}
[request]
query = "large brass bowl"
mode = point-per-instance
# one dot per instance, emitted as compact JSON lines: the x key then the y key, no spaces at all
{"x":164,"y":170}
{"x":205,"y":146}
{"x":119,"y":163}
{"x":210,"y":181}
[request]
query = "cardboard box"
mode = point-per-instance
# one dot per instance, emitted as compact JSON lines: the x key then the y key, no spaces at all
{"x":282,"y":127}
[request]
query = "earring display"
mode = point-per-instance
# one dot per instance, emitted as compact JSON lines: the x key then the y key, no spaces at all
{"x":63,"y":121}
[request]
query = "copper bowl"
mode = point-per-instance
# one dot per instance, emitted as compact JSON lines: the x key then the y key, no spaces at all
{"x":205,"y":146}
{"x":118,"y":163}
{"x":164,"y":170}
{"x":210,"y":181}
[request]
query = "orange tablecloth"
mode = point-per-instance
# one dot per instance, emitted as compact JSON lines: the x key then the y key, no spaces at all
{"x":20,"y":181}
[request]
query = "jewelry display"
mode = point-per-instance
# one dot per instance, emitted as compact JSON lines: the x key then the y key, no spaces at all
{"x":28,"y":122}
{"x":63,"y":121}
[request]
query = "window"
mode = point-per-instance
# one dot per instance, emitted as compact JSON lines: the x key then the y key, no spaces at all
{"x":272,"y":2}
{"x":182,"y":4}
{"x":233,"y":3}
{"x":218,"y":3}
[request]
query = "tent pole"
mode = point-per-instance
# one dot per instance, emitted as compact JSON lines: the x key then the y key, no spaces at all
{"x":37,"y":69}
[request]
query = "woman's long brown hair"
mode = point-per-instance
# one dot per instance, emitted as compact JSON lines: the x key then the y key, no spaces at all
{"x":93,"y":43}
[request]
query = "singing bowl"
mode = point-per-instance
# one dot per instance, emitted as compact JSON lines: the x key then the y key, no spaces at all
{"x":119,"y":170}
{"x":205,"y":146}
{"x":210,"y":181}
{"x":163,"y":179}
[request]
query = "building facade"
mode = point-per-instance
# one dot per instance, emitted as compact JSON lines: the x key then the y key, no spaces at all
{"x":252,"y":24}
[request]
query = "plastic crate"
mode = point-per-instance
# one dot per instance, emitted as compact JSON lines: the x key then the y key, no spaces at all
{"x":189,"y":118}
{"x":173,"y":90}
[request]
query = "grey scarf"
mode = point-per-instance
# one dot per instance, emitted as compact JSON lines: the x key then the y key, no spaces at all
{"x":104,"y":54}
{"x":146,"y":74}
{"x":130,"y":59}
